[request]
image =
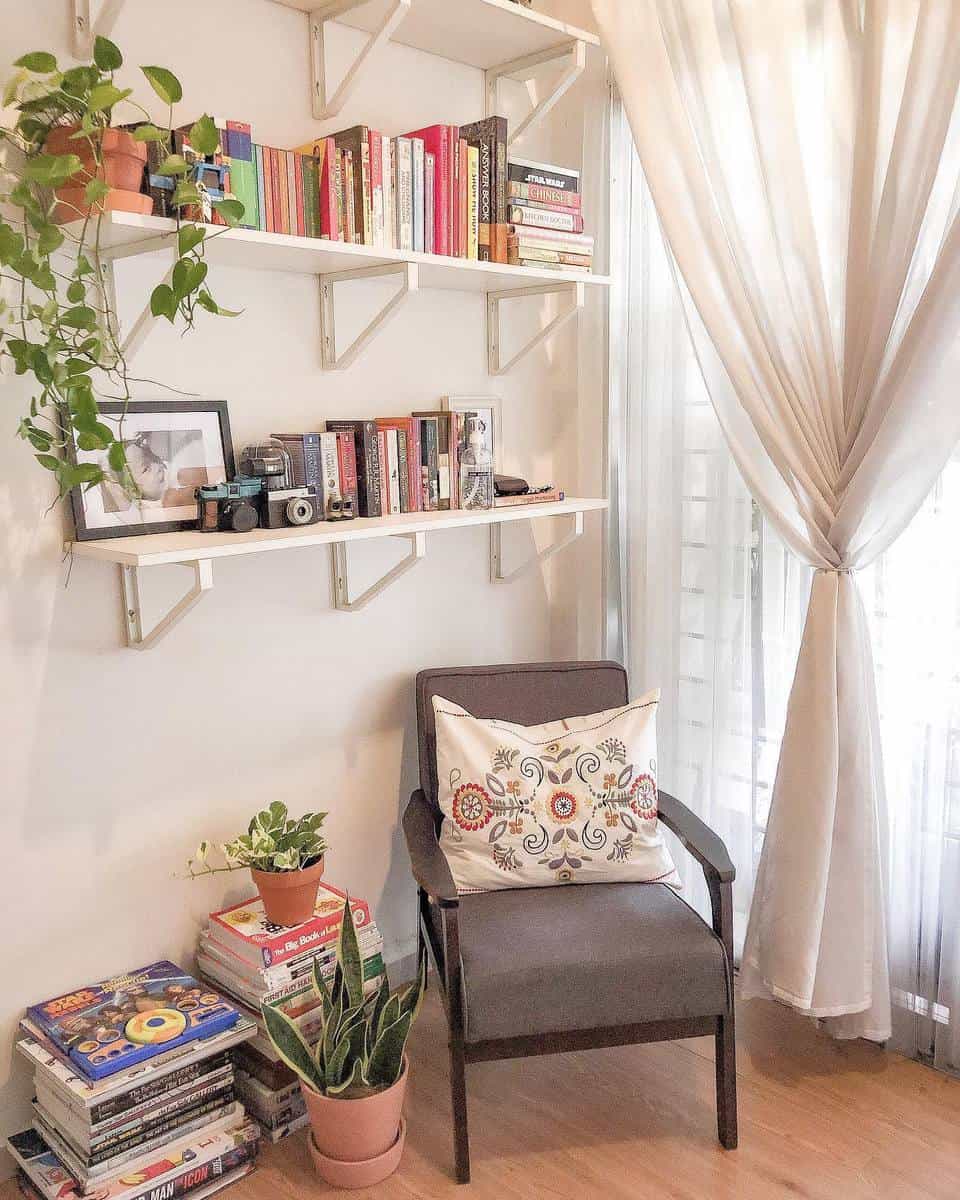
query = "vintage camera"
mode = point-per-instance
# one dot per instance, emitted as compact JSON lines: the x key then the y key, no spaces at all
{"x":229,"y":507}
{"x":268,"y":460}
{"x":291,"y":506}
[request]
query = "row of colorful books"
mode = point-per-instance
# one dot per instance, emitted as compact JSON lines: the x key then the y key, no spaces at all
{"x":444,"y":189}
{"x":385,"y":465}
{"x":136,"y":1094}
{"x":255,"y":962}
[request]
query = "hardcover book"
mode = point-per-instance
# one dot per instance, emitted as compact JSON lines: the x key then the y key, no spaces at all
{"x":245,"y":929}
{"x":111,"y":1025}
{"x":564,"y":179}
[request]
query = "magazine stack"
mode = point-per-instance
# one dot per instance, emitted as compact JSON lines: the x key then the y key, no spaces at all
{"x":136,"y":1094}
{"x":255,"y":962}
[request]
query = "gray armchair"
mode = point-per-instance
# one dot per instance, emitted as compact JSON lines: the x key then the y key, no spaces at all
{"x":546,"y":970}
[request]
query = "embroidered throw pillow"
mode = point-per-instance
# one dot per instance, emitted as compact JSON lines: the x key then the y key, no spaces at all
{"x":572,"y":801}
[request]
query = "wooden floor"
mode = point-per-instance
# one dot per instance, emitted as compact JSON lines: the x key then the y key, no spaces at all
{"x":818,"y":1119}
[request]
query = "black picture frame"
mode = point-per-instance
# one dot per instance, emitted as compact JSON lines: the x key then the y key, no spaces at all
{"x":115,"y":409}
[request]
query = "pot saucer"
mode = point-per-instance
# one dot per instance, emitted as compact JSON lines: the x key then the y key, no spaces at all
{"x":359,"y":1174}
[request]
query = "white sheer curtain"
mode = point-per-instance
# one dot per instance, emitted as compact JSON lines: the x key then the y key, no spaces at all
{"x":803,"y":163}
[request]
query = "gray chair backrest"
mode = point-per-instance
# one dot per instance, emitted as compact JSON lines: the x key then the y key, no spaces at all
{"x":525,"y":693}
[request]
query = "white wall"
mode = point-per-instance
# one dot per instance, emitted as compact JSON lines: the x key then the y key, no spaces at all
{"x":112,"y":763}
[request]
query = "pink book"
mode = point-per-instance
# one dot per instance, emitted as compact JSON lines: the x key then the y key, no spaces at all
{"x":441,"y":142}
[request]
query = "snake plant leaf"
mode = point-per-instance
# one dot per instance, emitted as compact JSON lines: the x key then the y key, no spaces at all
{"x":377,"y":1004}
{"x":320,"y":984}
{"x":291,"y":1047}
{"x":348,"y":956}
{"x":389,"y":1014}
{"x":385,"y":1063}
{"x":354,"y":1077}
{"x":336,"y":1063}
{"x":412,"y":997}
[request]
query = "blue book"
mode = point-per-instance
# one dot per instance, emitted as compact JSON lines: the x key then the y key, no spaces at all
{"x":109,"y":1026}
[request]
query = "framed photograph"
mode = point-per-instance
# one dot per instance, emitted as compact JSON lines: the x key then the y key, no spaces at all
{"x":489,"y":409}
{"x":172,"y":448}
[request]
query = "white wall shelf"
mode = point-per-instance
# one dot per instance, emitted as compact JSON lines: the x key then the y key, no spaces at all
{"x":124,"y":235}
{"x":479,"y":33}
{"x":198,"y":551}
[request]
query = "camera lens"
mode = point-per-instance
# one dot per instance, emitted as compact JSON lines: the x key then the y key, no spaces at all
{"x":241,"y":516}
{"x":299,"y":511}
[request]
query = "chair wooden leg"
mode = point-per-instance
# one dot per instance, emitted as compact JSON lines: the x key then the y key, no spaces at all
{"x":726,"y":1061}
{"x":458,"y":1072}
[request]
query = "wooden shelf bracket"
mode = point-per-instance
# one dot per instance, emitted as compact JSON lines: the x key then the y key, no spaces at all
{"x":409,"y":276}
{"x":575,"y":293}
{"x":324,"y":108}
{"x":341,"y":579}
{"x":523,"y":69}
{"x":497,"y":574}
{"x":137,"y":637}
{"x":86,"y":28}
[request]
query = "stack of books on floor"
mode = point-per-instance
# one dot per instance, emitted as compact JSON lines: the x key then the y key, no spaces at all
{"x":546,"y":218}
{"x":136,"y":1095}
{"x":255,"y":962}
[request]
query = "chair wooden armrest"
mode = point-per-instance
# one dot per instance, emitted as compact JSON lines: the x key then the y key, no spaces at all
{"x":697,"y":838}
{"x":430,"y":868}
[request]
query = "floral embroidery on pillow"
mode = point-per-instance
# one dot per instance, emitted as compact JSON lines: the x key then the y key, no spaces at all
{"x":532,"y":813}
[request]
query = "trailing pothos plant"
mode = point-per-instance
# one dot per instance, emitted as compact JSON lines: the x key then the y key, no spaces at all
{"x":361,"y":1050}
{"x":57,"y":322}
{"x":274,"y":841}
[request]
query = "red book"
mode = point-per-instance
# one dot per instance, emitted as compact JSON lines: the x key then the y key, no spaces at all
{"x":440,"y":141}
{"x":329,"y":213}
{"x":463,"y":200}
{"x":298,"y":189}
{"x":411,"y":427}
{"x":384,"y":472}
{"x":245,"y":930}
{"x":347,"y":461}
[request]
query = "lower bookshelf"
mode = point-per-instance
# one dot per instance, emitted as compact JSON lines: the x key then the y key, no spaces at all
{"x":199,"y":550}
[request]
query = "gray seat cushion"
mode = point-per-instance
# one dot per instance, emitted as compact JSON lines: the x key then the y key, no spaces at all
{"x":550,"y":960}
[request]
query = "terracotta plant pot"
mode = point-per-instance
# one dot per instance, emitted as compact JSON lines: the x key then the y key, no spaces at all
{"x":357,"y":1143}
{"x":121,"y":168}
{"x":288,"y":897}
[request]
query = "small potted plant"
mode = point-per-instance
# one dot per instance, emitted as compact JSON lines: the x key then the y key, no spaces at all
{"x":285,"y":857}
{"x":354,"y":1078}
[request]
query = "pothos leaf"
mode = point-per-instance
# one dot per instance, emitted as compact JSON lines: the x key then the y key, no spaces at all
{"x":106,"y":55}
{"x":164,"y":83}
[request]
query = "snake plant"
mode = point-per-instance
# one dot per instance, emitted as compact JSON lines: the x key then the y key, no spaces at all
{"x":361,"y":1050}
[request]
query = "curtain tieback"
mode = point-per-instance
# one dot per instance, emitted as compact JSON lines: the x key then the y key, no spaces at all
{"x":837,"y":570}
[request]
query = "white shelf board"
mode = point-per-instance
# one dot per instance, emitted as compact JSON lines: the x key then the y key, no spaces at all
{"x":257,"y":250}
{"x":157,"y":549}
{"x":480,"y":33}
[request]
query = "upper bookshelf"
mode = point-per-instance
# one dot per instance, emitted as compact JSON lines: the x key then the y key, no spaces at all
{"x":124,"y":234}
{"x":480,"y":33}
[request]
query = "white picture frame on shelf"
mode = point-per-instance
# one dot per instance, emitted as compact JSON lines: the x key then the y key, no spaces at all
{"x":490,"y":411}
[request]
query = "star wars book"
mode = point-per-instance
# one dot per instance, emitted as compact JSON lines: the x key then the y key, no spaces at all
{"x":109,"y":1026}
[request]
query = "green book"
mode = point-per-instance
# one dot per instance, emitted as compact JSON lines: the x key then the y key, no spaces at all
{"x":243,"y":184}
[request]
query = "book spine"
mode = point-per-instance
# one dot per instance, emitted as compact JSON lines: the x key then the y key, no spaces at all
{"x":196,"y":1176}
{"x":329,"y":471}
{"x":329,"y":216}
{"x":372,"y":449}
{"x":404,"y":177}
{"x":484,"y":199}
{"x":416,"y":145}
{"x":341,"y":185}
{"x":403,"y":470}
{"x":533,"y":193}
{"x":430,"y":461}
{"x":314,"y":195}
{"x":269,"y":224}
{"x":384,"y":472}
{"x":354,"y":231}
{"x":563,"y":179}
{"x":281,"y":215}
{"x":386,"y":170}
{"x":156,"y":1089}
{"x":261,"y":199}
{"x":429,"y":184}
{"x":443,"y":461}
{"x":473,"y":202}
{"x":544,"y":218}
{"x":347,"y":463}
{"x":375,"y":154}
{"x":393,"y":466}
{"x":287,"y":221}
{"x":296,"y":194}
{"x":463,"y":184}
{"x":443,"y":196}
{"x":365,"y":215}
{"x":499,"y":202}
